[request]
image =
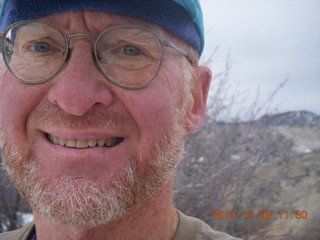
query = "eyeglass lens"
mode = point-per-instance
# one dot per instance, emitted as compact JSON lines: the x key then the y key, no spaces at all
{"x":128,"y":56}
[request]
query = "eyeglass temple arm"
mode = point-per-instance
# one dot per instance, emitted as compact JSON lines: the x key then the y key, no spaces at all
{"x":172,"y":45}
{"x":1,"y":42}
{"x":2,"y":39}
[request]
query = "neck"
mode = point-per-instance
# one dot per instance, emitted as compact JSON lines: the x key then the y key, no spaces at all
{"x":157,"y":220}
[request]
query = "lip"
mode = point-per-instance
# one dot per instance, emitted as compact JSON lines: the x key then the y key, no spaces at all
{"x":82,"y":134}
{"x":88,"y":162}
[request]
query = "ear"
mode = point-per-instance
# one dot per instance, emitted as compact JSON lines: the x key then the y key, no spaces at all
{"x":197,"y":102}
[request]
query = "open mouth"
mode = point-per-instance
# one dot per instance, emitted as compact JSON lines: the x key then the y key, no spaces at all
{"x":81,"y":144}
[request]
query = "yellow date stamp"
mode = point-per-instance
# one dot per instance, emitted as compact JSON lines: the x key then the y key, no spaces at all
{"x":260,"y":214}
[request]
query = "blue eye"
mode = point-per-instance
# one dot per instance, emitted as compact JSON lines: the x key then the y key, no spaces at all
{"x":42,"y":47}
{"x":131,"y":50}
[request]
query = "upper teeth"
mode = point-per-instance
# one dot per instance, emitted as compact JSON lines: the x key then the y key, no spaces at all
{"x":80,"y":143}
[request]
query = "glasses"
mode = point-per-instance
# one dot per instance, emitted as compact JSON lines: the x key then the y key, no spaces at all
{"x":128,"y":56}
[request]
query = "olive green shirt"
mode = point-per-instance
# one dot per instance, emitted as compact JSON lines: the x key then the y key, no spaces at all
{"x":189,"y":228}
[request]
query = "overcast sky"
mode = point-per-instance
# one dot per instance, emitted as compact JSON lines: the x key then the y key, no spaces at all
{"x":269,"y":40}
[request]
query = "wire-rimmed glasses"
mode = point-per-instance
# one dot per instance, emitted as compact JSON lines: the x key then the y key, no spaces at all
{"x":128,"y":56}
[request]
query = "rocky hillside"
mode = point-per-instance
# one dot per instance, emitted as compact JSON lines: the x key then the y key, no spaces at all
{"x":269,"y":167}
{"x":294,"y":118}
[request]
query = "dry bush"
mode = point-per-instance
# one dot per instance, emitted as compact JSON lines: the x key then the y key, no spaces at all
{"x":11,"y":204}
{"x":222,"y":159}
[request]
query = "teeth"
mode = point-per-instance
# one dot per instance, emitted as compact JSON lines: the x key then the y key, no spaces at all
{"x":92,"y":143}
{"x":62,"y":141}
{"x":111,"y":142}
{"x":71,"y":143}
{"x":101,"y":142}
{"x":82,"y":144}
{"x":79,"y":143}
{"x":55,"y":140}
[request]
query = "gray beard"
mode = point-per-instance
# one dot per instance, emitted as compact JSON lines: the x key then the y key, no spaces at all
{"x":91,"y":203}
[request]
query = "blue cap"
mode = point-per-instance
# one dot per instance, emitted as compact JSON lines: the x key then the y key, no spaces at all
{"x":181,"y":17}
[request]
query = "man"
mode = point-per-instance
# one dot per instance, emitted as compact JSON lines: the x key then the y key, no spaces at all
{"x":97,"y":98}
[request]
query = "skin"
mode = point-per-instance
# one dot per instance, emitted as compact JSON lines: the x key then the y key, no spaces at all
{"x":81,"y":89}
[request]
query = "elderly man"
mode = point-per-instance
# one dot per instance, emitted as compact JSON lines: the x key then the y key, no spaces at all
{"x":97,"y":98}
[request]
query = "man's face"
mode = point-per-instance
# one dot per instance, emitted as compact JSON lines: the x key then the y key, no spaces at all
{"x":138,"y":135}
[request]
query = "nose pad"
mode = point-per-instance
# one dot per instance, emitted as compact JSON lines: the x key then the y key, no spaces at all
{"x":96,"y":59}
{"x":68,"y":55}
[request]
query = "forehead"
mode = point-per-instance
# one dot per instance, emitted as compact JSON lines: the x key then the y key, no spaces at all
{"x":96,"y":21}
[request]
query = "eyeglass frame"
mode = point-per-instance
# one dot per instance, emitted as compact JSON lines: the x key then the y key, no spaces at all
{"x":67,"y":55}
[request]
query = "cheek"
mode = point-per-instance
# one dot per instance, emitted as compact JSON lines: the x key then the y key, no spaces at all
{"x":16,"y":102}
{"x":154,"y":119}
{"x":154,"y":108}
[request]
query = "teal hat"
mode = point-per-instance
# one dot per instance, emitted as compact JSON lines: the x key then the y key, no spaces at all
{"x":194,"y":10}
{"x":181,"y":17}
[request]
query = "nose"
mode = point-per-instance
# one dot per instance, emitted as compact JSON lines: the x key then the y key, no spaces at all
{"x":80,"y":86}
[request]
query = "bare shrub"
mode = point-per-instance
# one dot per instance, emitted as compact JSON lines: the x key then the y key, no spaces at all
{"x":11,"y":205}
{"x":221,"y":160}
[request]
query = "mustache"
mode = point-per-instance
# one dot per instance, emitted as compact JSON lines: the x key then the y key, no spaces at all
{"x":53,"y":116}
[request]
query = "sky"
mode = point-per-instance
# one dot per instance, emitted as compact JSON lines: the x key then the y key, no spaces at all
{"x":268,"y":41}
